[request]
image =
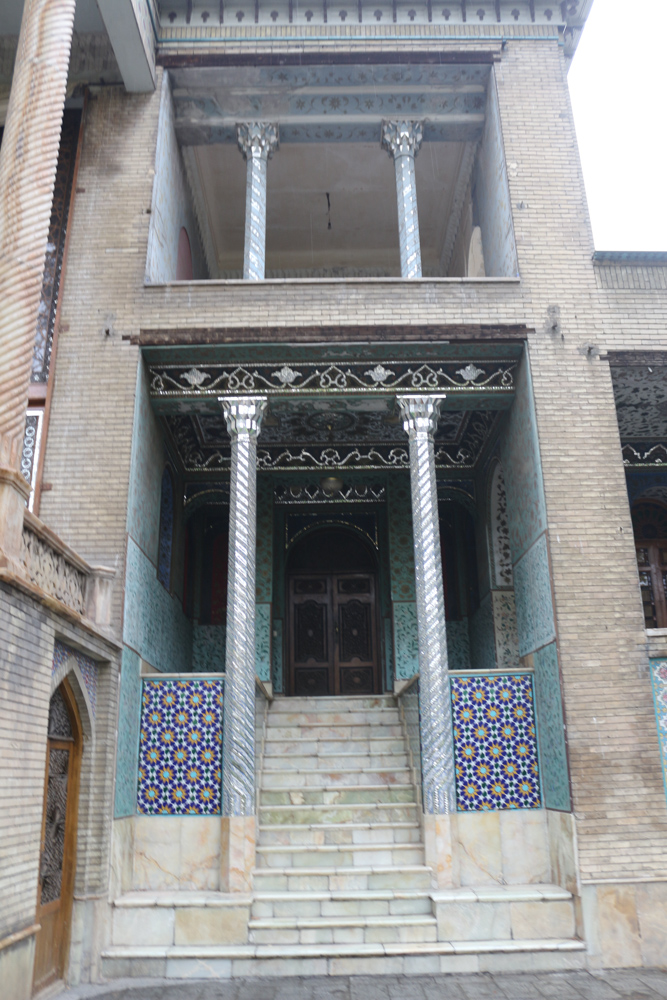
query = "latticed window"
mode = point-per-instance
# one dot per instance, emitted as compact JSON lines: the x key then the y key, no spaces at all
{"x":166,"y":529}
{"x":650,"y":527}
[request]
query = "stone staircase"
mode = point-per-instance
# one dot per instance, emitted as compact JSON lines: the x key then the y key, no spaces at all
{"x":340,"y":858}
{"x":340,"y":885}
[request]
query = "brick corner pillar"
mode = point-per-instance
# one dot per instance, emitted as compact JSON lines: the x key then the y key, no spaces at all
{"x":28,"y":162}
{"x":257,"y":141}
{"x":243,"y":416}
{"x":402,"y":140}
{"x":420,"y":421}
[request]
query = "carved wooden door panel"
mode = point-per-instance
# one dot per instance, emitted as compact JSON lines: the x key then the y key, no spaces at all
{"x":58,"y":844}
{"x":311,"y":636}
{"x":333,"y":639}
{"x":355,"y":634}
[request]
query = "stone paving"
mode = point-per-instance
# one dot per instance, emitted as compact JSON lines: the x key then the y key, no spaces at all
{"x":622,"y":984}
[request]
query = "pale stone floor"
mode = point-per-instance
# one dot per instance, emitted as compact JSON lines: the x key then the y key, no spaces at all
{"x":620,"y":984}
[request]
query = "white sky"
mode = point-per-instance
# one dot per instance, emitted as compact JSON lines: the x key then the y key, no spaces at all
{"x":617,"y":84}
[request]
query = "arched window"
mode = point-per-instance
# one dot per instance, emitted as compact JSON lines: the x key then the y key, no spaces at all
{"x":649,"y":522}
{"x":166,"y":529}
{"x":184,"y":260}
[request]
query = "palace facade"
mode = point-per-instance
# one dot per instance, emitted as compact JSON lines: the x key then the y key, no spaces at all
{"x":333,"y":503}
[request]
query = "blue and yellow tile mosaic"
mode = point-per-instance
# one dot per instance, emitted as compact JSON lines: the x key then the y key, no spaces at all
{"x":494,"y":743}
{"x":180,"y":749}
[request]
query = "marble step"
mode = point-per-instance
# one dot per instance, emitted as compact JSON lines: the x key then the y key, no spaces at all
{"x":332,"y":703}
{"x":400,"y":832}
{"x":376,"y":903}
{"x":322,"y":731}
{"x":338,"y":795}
{"x":345,"y":855}
{"x":318,"y":777}
{"x":364,"y":717}
{"x":335,"y":761}
{"x":291,"y":814}
{"x":343,"y":930}
{"x":312,"y":747}
{"x":425,"y":958}
{"x":351,"y":877}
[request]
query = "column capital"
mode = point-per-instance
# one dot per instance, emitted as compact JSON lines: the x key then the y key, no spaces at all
{"x":420,"y":413}
{"x":243,"y":414}
{"x":402,"y":138}
{"x":257,"y":140}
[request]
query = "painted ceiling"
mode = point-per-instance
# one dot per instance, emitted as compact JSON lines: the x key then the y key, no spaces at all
{"x":329,"y":434}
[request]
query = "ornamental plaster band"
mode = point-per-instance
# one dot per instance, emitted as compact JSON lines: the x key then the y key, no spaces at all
{"x":258,"y":142}
{"x":243,"y":416}
{"x":402,"y":141}
{"x":28,"y":161}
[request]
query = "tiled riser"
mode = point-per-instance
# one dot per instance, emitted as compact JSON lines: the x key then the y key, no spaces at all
{"x":346,"y":935}
{"x":326,"y":747}
{"x":334,"y":732}
{"x":360,"y":813}
{"x":279,"y":857}
{"x":267,"y":879}
{"x":331,"y":796}
{"x":319,"y":778}
{"x":341,"y":720}
{"x":328,"y":906}
{"x":409,"y":833}
{"x":325,"y":761}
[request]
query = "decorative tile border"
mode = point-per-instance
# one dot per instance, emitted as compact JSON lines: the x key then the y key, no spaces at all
{"x":406,"y":639}
{"x":532,"y":592}
{"x":495,"y":743}
{"x":88,"y":668}
{"x":263,"y":641}
{"x":659,"y":681}
{"x":551,"y":732}
{"x":180,"y":751}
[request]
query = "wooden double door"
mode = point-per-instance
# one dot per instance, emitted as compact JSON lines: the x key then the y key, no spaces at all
{"x":332,"y":642}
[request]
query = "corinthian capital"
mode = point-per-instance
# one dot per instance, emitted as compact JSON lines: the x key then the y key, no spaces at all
{"x":402,"y":138}
{"x":420,"y":413}
{"x":257,"y":139}
{"x":243,"y":414}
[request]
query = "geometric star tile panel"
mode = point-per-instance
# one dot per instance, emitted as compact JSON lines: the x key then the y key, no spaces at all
{"x":494,"y":743}
{"x":180,"y":748}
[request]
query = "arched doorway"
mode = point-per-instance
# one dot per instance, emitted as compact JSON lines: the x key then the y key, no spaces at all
{"x":332,"y":640}
{"x":57,"y":864}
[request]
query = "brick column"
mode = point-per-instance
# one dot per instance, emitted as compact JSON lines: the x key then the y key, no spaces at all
{"x":257,"y":141}
{"x":28,"y":162}
{"x":243,"y":416}
{"x":402,"y":141}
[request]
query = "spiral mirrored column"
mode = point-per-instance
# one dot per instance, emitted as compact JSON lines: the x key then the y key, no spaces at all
{"x":402,"y":140}
{"x":257,"y":141}
{"x":420,"y":421}
{"x":243,"y":416}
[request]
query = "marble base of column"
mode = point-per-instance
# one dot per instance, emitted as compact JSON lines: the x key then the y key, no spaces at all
{"x":440,"y":840}
{"x":238,"y":844}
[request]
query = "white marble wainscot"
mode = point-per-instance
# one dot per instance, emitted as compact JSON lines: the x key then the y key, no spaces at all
{"x":625,"y":924}
{"x":176,"y":852}
{"x":504,"y":847}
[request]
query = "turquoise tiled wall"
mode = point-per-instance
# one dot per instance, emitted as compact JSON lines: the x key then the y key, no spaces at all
{"x":129,"y":716}
{"x":535,"y":619}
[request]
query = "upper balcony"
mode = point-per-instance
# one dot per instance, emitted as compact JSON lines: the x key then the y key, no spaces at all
{"x":335,"y":196}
